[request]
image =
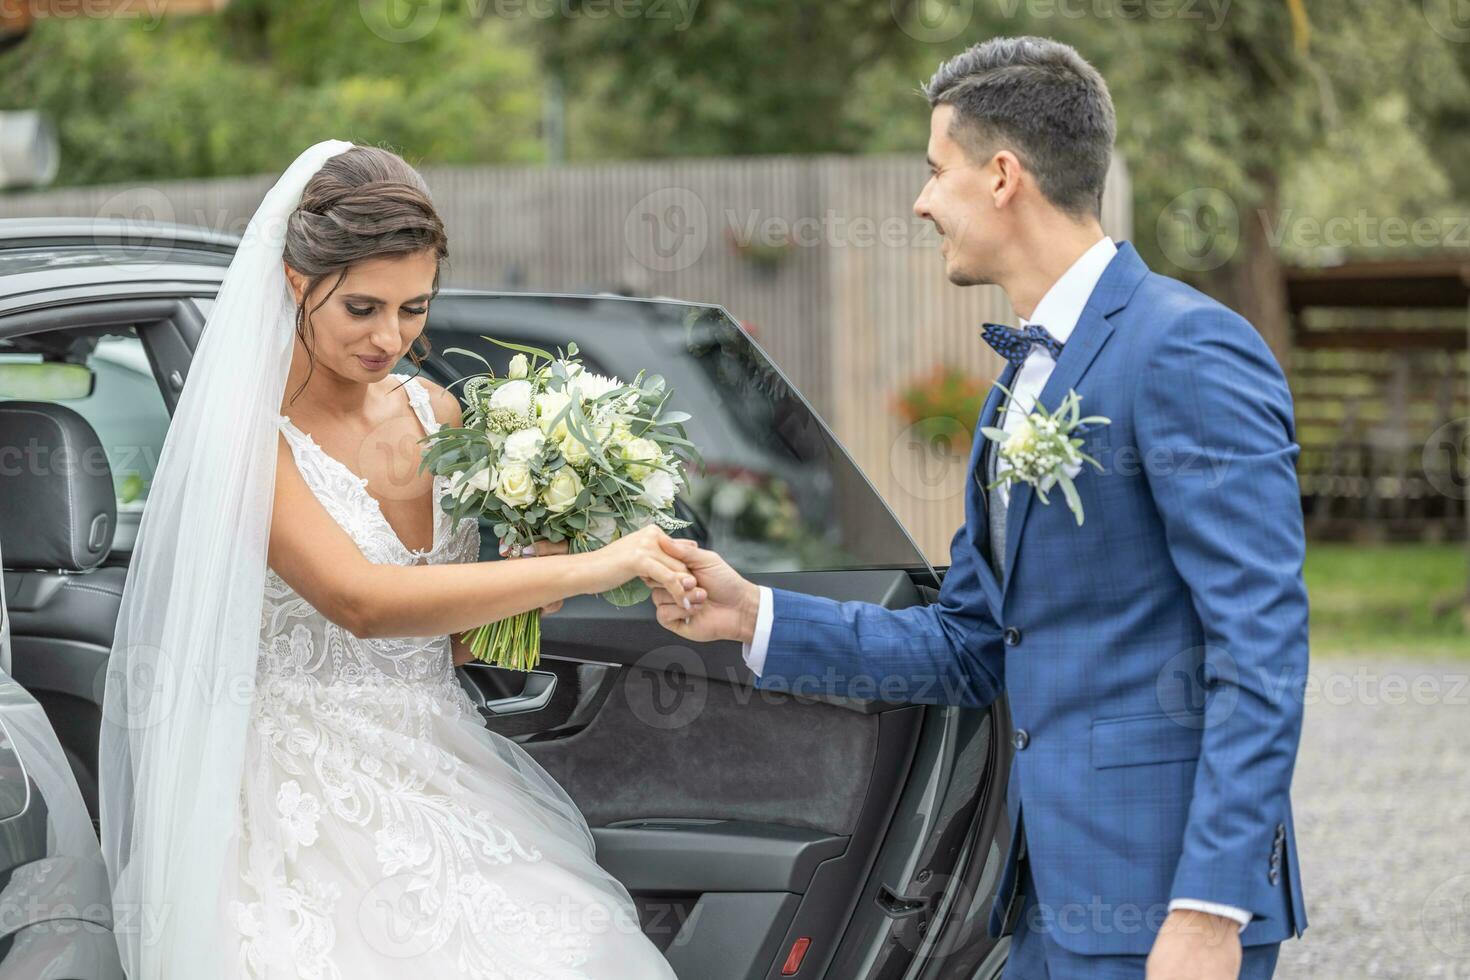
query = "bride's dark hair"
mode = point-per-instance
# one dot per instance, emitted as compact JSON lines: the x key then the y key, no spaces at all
{"x":364,"y":203}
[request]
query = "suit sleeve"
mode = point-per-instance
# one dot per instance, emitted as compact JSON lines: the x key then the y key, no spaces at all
{"x":945,"y":653}
{"x":1215,"y":430}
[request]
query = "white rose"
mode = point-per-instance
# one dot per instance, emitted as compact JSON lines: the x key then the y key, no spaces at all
{"x":561,"y":494}
{"x":461,"y":488}
{"x":515,"y":485}
{"x":575,"y":450}
{"x":524,"y":445}
{"x":658,"y":490}
{"x":641,"y":450}
{"x":483,"y":480}
{"x":603,"y":529}
{"x":519,"y":366}
{"x":513,"y":396}
{"x":549,"y":404}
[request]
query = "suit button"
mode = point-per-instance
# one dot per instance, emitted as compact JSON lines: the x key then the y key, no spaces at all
{"x":1273,"y":876}
{"x":1280,"y":833}
{"x":1012,"y":636}
{"x":1021,"y":740}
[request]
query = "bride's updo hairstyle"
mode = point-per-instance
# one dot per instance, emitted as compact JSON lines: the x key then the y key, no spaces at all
{"x":364,"y":203}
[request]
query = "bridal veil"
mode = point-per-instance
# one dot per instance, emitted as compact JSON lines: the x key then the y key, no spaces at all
{"x":180,"y":679}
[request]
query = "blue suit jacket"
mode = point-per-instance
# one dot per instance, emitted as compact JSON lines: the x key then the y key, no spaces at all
{"x":1155,"y":657}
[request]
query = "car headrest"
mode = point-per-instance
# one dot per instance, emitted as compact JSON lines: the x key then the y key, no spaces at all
{"x":58,"y":508}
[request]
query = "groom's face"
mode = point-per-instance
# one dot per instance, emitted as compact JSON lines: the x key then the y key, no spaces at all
{"x":960,"y":199}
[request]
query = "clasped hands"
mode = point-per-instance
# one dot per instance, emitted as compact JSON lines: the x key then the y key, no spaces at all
{"x":721,"y":604}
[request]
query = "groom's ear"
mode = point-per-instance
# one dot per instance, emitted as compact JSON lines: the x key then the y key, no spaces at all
{"x":1005,"y":176}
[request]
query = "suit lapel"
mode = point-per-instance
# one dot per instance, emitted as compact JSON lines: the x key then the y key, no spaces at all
{"x":1093,"y":329}
{"x":981,"y":531}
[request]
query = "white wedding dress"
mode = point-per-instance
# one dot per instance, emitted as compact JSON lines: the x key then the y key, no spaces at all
{"x":385,"y":831}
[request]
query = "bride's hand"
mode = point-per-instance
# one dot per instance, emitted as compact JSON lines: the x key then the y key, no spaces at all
{"x":535,"y":549}
{"x":639,"y":555}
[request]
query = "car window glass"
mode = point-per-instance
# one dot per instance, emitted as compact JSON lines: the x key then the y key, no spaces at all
{"x":777,"y":492}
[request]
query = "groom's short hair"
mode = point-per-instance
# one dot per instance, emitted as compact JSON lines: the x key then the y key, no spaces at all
{"x":1041,"y":100}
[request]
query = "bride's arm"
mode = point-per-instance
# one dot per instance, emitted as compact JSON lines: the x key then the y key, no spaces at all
{"x":318,"y":559}
{"x":462,"y":652}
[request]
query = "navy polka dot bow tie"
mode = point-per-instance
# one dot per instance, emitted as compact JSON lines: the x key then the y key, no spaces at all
{"x":1016,"y":345}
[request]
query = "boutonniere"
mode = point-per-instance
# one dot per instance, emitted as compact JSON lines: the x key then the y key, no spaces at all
{"x":1045,"y":450}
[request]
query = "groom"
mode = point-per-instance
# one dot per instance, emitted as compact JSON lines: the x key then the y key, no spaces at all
{"x":1155,"y":656}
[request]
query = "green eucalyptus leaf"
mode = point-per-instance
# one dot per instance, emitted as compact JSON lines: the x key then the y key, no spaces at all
{"x":1074,"y":500}
{"x":630,"y":593}
{"x":470,"y":353}
{"x":521,"y":348}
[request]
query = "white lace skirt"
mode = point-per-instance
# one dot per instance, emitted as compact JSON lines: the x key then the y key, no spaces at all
{"x":386,"y":833}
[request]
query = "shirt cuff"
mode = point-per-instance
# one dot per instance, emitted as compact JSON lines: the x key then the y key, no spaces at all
{"x":754,"y":652}
{"x":1212,"y":908}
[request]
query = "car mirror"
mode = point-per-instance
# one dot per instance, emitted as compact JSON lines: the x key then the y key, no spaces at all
{"x":48,"y":381}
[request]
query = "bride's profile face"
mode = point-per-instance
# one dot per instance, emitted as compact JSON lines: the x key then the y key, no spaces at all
{"x":372,"y":317}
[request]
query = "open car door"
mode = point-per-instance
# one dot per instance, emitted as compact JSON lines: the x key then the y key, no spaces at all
{"x":762,"y":835}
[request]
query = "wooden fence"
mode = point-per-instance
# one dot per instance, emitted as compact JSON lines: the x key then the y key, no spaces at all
{"x":821,"y":258}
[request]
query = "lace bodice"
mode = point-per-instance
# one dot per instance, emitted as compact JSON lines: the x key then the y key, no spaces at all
{"x":296,"y":641}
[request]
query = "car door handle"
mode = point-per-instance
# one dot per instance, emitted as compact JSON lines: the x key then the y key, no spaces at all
{"x":540,"y":685}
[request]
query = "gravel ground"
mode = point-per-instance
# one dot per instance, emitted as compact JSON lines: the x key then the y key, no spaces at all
{"x":1382,"y":803}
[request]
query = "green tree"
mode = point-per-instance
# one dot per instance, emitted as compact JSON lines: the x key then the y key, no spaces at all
{"x":1231,"y":129}
{"x":722,"y":77}
{"x":244,"y":91}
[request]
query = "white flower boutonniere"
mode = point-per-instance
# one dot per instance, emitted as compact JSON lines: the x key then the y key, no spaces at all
{"x":1045,"y":450}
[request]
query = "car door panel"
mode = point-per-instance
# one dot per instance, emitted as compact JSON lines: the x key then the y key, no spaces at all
{"x":665,"y":744}
{"x":724,"y":810}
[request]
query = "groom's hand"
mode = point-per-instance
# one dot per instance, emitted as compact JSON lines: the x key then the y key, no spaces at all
{"x":1195,"y":945}
{"x":725,"y":603}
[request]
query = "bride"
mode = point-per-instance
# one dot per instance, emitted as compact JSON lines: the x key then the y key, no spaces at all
{"x":293,"y":782}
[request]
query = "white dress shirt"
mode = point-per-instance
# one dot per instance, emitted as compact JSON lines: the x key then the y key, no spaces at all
{"x":1058,"y":311}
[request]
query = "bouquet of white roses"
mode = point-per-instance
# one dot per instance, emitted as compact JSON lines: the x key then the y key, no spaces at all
{"x":555,"y":452}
